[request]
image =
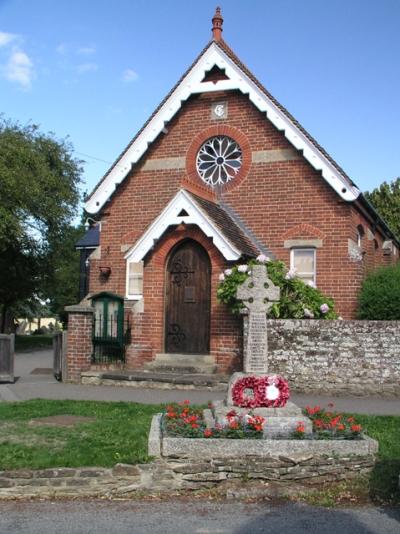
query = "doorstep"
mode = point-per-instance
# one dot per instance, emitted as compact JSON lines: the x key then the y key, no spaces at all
{"x":156,"y":380}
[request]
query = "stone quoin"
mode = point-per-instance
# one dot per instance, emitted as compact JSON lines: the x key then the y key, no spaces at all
{"x":220,"y":173}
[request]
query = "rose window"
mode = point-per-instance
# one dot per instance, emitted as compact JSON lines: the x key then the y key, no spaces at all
{"x":219,"y":160}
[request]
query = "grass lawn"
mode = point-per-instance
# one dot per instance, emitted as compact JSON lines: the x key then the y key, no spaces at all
{"x":26,"y":343}
{"x":119,"y":433}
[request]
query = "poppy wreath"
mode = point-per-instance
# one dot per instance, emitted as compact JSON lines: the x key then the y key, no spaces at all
{"x":259,"y":384}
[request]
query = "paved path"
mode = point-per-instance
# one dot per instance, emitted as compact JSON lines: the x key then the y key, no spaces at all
{"x":177,"y":517}
{"x":31,"y":386}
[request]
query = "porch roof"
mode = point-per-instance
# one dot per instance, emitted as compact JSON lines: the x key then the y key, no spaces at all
{"x":187,"y":208}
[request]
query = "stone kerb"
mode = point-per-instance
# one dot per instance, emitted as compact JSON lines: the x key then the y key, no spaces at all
{"x":242,"y":448}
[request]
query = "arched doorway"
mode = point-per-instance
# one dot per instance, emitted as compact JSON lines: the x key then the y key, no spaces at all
{"x":187,"y":308}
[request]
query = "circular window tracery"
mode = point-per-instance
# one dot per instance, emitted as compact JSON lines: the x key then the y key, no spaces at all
{"x":219,"y":160}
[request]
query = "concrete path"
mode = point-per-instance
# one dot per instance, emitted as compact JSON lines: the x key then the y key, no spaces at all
{"x":43,"y":385}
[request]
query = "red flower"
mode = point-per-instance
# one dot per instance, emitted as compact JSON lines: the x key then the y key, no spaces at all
{"x":233,"y":425}
{"x":334,"y":422}
{"x":341,"y":427}
{"x":318,"y":423}
{"x":194,"y":425}
{"x":300,"y":427}
{"x":207,"y":433}
{"x":231,"y":414}
{"x":171,"y":414}
{"x":350,"y":419}
{"x":186,"y":402}
{"x":313,"y":411}
{"x":356,"y":428}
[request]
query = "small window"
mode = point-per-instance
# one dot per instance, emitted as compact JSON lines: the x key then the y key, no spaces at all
{"x":303,"y":261}
{"x":360,"y":235}
{"x":135,"y":280}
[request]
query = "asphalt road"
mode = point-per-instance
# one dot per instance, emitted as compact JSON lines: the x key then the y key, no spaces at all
{"x":32,"y":386}
{"x":84,"y":517}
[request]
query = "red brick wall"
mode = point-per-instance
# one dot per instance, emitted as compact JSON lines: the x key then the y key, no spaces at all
{"x":277,"y":201}
{"x":79,"y":344}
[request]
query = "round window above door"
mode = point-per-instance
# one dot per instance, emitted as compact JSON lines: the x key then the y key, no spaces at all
{"x":219,"y":160}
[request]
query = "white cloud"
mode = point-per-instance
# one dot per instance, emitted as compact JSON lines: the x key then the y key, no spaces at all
{"x":129,"y":75}
{"x":87,"y":67}
{"x":7,"y":38}
{"x":62,"y":49}
{"x":86,"y":50}
{"x":19,"y":69}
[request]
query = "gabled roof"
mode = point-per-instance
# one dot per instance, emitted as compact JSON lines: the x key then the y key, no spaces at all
{"x":187,"y":208}
{"x":218,"y":53}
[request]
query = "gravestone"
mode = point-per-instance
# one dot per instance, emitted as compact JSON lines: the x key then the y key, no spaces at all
{"x":258,"y":294}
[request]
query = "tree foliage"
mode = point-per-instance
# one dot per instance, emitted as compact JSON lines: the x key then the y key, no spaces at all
{"x":39,"y":196}
{"x":386,"y":201}
{"x":380,"y":295}
{"x":61,"y":286}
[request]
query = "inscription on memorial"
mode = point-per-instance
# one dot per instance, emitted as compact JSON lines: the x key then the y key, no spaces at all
{"x":258,"y":294}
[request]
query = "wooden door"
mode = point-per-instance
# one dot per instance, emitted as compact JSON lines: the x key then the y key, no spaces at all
{"x":187,"y":314}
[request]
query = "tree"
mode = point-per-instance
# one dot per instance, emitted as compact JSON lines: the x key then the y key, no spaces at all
{"x":386,"y":200}
{"x":61,"y":287}
{"x":39,"y":196}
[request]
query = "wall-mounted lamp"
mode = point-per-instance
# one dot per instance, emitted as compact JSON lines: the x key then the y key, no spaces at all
{"x":88,"y":221}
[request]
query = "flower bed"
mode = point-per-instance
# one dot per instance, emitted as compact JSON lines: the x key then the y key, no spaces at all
{"x":329,"y":424}
{"x":182,"y":420}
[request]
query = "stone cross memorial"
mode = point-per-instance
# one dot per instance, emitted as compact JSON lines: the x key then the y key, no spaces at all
{"x":258,"y":294}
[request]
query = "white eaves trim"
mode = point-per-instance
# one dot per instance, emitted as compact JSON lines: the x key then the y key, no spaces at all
{"x":192,"y":84}
{"x":170,"y":216}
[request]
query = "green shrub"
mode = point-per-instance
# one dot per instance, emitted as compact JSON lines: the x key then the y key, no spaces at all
{"x":298,"y":300}
{"x":380,"y":295}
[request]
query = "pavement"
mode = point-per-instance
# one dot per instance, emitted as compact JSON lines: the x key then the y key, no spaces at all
{"x":197,"y":517}
{"x":42,"y":384}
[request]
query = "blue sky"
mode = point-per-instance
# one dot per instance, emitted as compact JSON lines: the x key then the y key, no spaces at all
{"x":96,"y":69}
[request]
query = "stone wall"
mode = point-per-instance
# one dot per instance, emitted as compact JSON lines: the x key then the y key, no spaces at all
{"x":183,"y":474}
{"x":346,"y":357}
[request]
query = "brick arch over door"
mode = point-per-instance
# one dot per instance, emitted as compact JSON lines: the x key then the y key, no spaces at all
{"x":225,"y":328}
{"x":187,"y":299}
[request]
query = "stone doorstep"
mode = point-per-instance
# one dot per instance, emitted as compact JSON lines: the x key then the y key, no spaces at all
{"x":154,"y":379}
{"x":182,"y":363}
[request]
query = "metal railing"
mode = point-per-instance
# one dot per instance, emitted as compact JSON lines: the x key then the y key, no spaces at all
{"x":110,"y":338}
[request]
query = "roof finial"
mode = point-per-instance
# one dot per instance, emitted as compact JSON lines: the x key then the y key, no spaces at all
{"x":217,"y":21}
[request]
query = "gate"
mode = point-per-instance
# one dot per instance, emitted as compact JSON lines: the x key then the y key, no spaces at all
{"x":59,"y":356}
{"x":7,"y":355}
{"x":110,"y":337}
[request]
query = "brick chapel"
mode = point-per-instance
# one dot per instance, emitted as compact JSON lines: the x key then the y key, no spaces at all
{"x":221,"y":172}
